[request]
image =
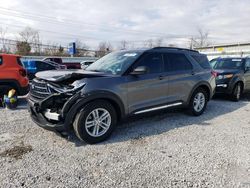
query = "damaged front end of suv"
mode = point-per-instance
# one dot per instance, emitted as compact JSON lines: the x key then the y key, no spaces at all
{"x":51,"y":98}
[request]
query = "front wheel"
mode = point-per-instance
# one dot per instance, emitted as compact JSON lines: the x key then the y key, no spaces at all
{"x":198,"y":102}
{"x":95,"y":122}
{"x":236,"y":94}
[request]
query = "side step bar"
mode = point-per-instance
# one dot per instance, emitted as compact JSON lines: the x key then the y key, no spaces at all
{"x":159,"y":108}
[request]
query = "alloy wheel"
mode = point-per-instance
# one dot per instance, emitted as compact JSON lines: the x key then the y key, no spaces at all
{"x":199,"y":102}
{"x":98,"y":122}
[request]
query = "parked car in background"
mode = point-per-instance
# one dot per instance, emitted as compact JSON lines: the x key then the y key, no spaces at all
{"x":119,"y":85}
{"x":71,"y":65}
{"x":13,"y":75}
{"x":86,"y":63}
{"x":233,"y":76}
{"x":33,"y":67}
{"x":213,"y":61}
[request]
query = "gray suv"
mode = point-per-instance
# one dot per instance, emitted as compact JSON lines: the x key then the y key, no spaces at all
{"x":119,"y":85}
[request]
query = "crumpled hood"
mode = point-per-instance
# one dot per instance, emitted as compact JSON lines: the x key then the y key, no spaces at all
{"x":61,"y":75}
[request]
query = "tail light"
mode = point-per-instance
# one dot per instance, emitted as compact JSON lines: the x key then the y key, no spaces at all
{"x":215,"y":74}
{"x":23,"y":72}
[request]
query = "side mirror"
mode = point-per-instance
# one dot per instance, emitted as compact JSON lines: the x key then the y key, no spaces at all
{"x":139,"y":70}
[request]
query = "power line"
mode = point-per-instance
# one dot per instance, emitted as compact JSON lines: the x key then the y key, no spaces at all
{"x":39,"y":17}
{"x":110,"y":28}
{"x":74,"y":36}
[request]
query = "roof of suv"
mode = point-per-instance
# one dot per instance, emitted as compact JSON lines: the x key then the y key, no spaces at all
{"x":173,"y":48}
{"x":161,"y":49}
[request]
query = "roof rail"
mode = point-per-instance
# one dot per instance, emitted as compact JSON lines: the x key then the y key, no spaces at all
{"x":174,"y":48}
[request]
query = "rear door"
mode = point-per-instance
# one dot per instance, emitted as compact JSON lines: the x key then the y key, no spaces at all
{"x":148,"y":90}
{"x":180,"y":76}
{"x":247,"y":74}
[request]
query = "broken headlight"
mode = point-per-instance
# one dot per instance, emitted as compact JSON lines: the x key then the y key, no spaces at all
{"x":71,"y":89}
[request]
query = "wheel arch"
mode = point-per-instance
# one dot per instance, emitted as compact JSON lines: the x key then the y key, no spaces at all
{"x":75,"y":107}
{"x":203,"y":85}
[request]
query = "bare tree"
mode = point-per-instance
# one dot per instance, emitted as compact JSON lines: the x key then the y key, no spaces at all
{"x":23,"y":48}
{"x":32,"y":37}
{"x":3,"y":40}
{"x":124,"y":45}
{"x":103,"y":49}
{"x":201,"y":40}
{"x":81,"y":48}
{"x":51,"y":49}
{"x":158,"y":42}
{"x":149,"y":43}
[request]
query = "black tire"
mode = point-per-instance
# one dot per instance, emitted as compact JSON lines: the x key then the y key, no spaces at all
{"x":236,"y":93}
{"x":80,"y":121}
{"x":4,"y":89}
{"x":192,"y":109}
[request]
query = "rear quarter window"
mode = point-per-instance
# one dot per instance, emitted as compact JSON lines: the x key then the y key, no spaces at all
{"x":176,"y":62}
{"x":202,"y":61}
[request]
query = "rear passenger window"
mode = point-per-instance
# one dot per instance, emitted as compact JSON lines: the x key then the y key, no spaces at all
{"x":1,"y":60}
{"x":177,"y":62}
{"x":202,"y":61}
{"x":153,"y":62}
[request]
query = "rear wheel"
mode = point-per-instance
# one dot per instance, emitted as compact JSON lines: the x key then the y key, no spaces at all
{"x":95,"y":122}
{"x":198,"y":102}
{"x":237,"y":91}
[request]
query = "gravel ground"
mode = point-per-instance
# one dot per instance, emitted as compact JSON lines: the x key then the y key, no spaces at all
{"x":166,"y":150}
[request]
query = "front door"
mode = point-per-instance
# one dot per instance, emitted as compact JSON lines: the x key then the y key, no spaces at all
{"x":149,"y":90}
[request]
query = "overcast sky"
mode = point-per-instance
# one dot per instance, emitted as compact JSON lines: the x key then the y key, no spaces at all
{"x":93,"y":21}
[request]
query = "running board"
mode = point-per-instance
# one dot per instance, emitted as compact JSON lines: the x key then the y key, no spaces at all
{"x":158,"y":108}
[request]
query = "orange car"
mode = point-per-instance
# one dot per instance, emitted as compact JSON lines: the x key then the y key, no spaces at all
{"x":12,"y":75}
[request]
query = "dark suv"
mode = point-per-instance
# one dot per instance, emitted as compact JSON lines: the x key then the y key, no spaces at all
{"x":118,"y":85}
{"x":233,"y":76}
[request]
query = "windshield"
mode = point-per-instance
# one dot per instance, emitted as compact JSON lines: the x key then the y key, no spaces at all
{"x":228,"y":64}
{"x":115,"y":63}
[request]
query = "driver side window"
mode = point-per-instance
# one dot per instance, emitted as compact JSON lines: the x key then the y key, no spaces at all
{"x":153,"y":62}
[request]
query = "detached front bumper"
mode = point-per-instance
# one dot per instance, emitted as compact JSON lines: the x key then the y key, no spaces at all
{"x":38,"y":117}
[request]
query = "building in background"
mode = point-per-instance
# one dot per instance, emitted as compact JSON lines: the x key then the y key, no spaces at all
{"x":226,"y":50}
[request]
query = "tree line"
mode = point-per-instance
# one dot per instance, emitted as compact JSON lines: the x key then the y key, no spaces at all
{"x":28,"y":42}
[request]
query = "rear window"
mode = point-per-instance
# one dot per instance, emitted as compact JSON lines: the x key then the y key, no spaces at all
{"x":202,"y":61}
{"x":1,"y":60}
{"x":19,"y":62}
